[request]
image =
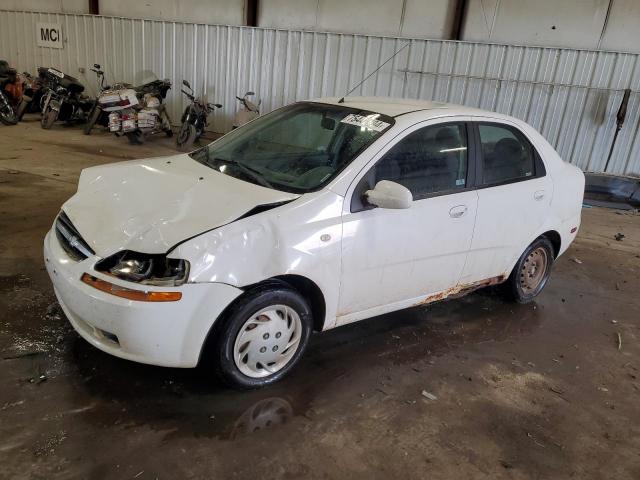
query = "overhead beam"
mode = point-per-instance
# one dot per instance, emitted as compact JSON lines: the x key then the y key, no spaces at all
{"x":251,"y":13}
{"x":458,"y":19}
{"x":94,"y":7}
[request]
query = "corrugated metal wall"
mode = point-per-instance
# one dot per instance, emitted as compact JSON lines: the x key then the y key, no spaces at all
{"x":571,"y":96}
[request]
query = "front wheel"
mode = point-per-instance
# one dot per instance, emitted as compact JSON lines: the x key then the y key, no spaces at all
{"x":93,"y":118}
{"x":532,"y":271}
{"x":135,"y":138}
{"x":262,"y":336}
{"x":7,"y":115}
{"x":48,"y":118}
{"x":186,"y":137}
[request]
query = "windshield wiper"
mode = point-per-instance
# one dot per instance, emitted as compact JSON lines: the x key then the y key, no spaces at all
{"x":248,"y":171}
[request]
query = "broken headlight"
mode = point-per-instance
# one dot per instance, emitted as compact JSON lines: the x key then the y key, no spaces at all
{"x":148,"y":269}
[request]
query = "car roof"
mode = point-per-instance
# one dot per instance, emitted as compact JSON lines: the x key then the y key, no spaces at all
{"x":399,"y":106}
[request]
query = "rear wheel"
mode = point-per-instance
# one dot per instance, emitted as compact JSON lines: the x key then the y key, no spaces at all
{"x":48,"y":118}
{"x":262,"y":336}
{"x":22,"y":109}
{"x":532,"y":271}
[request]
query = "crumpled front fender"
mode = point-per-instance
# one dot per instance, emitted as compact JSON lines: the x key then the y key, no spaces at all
{"x":303,"y":238}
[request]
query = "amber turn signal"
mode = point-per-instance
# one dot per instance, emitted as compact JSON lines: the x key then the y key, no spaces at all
{"x":129,"y":293}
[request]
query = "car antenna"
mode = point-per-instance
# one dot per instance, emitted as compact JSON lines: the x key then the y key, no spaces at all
{"x":367,"y":77}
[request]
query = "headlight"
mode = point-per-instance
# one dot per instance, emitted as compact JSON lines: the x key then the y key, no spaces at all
{"x":145,"y":268}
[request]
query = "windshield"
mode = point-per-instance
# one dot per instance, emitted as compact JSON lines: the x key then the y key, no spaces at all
{"x":298,"y":148}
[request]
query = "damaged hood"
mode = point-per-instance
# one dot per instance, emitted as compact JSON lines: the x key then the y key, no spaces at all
{"x":151,"y":205}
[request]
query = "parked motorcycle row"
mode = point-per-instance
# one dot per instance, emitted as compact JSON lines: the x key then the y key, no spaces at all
{"x":135,"y":112}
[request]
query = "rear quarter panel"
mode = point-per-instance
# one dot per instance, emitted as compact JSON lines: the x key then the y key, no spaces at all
{"x":568,"y":190}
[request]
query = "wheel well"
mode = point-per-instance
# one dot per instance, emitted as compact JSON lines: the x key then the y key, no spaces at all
{"x":311,"y":292}
{"x":554,"y":238}
{"x":308,"y":289}
{"x":302,"y":285}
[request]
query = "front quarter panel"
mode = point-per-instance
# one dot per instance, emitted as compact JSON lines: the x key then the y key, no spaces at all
{"x":301,"y":238}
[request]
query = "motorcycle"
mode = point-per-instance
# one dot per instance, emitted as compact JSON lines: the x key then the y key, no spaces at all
{"x":96,"y":113}
{"x":194,"y":119}
{"x":63,"y":99}
{"x":32,"y":95}
{"x":8,"y":91}
{"x":137,"y":113}
{"x":248,"y":110}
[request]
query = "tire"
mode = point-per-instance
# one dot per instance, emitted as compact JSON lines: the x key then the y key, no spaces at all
{"x":532,"y":271}
{"x":7,"y":115}
{"x":48,"y":118}
{"x":186,"y":137}
{"x":22,"y":109}
{"x":272,"y":303}
{"x":93,"y":118}
{"x":135,"y":138}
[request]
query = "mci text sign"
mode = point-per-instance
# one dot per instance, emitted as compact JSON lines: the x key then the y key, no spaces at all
{"x":49,"y":35}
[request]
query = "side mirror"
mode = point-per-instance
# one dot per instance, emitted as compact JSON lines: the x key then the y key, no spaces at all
{"x":96,"y":65}
{"x":249,"y":94}
{"x":186,"y":84}
{"x":388,"y":194}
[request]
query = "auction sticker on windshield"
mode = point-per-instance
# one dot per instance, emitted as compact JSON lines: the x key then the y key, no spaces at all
{"x":369,"y":122}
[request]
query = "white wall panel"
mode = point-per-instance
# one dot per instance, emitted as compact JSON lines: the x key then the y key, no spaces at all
{"x":55,"y":6}
{"x":571,"y":96}
{"x":303,"y":14}
{"x":229,"y":12}
{"x":567,"y":23}
{"x":407,"y":18}
{"x":623,"y":27}
{"x":432,"y":19}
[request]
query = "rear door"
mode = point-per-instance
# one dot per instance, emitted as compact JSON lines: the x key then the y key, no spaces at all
{"x":514,"y":197}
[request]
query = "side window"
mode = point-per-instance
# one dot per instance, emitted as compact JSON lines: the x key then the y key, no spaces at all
{"x":427,"y":161}
{"x":506,"y":154}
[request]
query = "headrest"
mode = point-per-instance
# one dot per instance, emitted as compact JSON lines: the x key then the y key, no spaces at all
{"x":508,"y":146}
{"x":448,"y":137}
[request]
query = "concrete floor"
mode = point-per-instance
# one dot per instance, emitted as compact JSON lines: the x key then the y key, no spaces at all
{"x":523,"y":391}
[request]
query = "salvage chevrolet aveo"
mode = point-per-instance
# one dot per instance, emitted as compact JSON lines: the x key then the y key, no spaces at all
{"x":316,"y":215}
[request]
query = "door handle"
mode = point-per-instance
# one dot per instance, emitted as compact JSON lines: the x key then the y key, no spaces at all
{"x":458,"y":211}
{"x":539,"y":195}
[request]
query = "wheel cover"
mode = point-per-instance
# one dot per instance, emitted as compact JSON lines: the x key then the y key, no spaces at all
{"x":267,"y":341}
{"x":534,"y":270}
{"x":266,"y":413}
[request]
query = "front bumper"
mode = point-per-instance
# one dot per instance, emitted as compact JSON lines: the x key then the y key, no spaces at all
{"x":169,"y":334}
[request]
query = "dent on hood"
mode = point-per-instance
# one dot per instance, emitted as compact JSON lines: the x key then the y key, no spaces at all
{"x":152,"y":205}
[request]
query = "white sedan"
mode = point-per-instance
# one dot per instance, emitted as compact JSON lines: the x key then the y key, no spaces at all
{"x":316,"y":215}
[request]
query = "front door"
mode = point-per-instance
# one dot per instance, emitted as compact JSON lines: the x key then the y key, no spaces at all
{"x":393,"y":257}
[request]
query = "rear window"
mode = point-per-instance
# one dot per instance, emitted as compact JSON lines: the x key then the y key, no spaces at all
{"x":506,"y":154}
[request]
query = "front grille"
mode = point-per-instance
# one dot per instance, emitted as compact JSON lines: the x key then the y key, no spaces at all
{"x":71,"y":240}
